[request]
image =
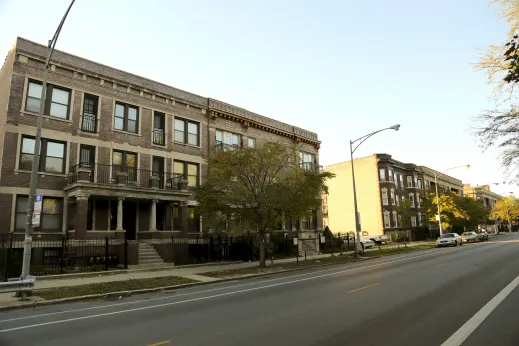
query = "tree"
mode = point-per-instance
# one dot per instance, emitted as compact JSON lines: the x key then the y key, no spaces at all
{"x":257,"y":186}
{"x":404,"y":212}
{"x":499,"y":127}
{"x":475,"y":212}
{"x":450,"y":209}
{"x":506,"y":208}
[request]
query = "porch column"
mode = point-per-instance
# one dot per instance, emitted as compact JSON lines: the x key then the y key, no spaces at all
{"x":81,"y":215}
{"x":64,"y":225}
{"x":153,"y":215}
{"x":172,"y":205}
{"x":93,"y":215}
{"x":183,"y":218}
{"x":120,"y":214}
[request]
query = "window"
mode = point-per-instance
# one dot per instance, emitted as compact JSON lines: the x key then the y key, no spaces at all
{"x":251,"y":142}
{"x":393,"y":196}
{"x":395,"y":219}
{"x":57,"y":100}
{"x":306,"y":160}
{"x":126,"y":118}
{"x":123,"y":161}
{"x":87,"y":156}
{"x":397,"y":200}
{"x":409,"y":181}
{"x":227,"y":140}
{"x":418,"y":200}
{"x":90,"y":105}
{"x":186,"y":132}
{"x":390,"y":175}
{"x":188,"y":170}
{"x":384,"y":197}
{"x":413,"y":221}
{"x":419,"y":219}
{"x":411,"y":198}
{"x":396,"y":179}
{"x":159,"y":133}
{"x":52,"y":155}
{"x":426,"y":183}
{"x":420,"y":184}
{"x":400,"y":220}
{"x":387,"y":221}
{"x":401,"y":180}
{"x":51,"y":214}
{"x":382,"y":172}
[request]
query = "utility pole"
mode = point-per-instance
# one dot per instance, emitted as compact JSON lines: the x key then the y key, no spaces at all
{"x":27,"y":246}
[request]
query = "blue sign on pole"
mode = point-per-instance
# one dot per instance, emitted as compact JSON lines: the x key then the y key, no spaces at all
{"x":36,"y":214}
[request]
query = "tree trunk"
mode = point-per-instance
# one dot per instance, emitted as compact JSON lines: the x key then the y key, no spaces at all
{"x":261,"y":240}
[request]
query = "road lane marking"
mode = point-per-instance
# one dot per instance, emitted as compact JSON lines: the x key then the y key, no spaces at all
{"x":160,"y":343}
{"x":406,"y":258}
{"x":470,"y":326}
{"x":439,"y":265}
{"x":363,"y":288}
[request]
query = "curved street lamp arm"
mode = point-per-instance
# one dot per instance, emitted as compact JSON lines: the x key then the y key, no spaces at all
{"x":364,"y":138}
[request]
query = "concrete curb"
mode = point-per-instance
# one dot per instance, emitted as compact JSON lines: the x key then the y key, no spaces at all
{"x":106,"y":296}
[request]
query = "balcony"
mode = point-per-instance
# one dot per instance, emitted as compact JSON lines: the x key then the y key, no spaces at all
{"x":159,"y":137}
{"x":89,"y":123}
{"x":308,"y":166}
{"x":224,"y":146}
{"x":95,"y":173}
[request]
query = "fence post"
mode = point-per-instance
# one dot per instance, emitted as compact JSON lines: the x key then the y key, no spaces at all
{"x":106,"y":253}
{"x":197,"y":250}
{"x":340,"y":243}
{"x":62,"y":254}
{"x":125,"y":251}
{"x":330,"y":239}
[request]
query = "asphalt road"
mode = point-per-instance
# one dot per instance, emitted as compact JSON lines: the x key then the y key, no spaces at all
{"x":454,"y":296}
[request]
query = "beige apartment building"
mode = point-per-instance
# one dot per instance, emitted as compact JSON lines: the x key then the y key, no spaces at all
{"x":484,"y":195}
{"x":120,"y":153}
{"x":382,"y":183}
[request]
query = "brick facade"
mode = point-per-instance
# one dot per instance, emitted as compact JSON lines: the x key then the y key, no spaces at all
{"x":92,"y":203}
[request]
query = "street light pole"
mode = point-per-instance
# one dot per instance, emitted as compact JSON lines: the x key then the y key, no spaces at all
{"x":35,"y":163}
{"x":438,"y":196}
{"x":352,"y":150}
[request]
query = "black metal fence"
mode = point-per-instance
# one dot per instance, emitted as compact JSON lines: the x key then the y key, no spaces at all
{"x":62,"y":255}
{"x":218,"y":248}
{"x":337,"y":244}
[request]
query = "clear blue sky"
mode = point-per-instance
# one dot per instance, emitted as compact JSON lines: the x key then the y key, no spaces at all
{"x":339,"y":68}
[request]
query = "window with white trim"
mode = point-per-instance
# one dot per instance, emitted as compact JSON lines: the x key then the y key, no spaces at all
{"x":52,"y":155}
{"x":426,"y":183}
{"x":251,"y":142}
{"x":395,"y":178}
{"x":419,"y":219}
{"x":387,"y":221}
{"x":51,"y":214}
{"x":419,"y":184}
{"x":385,"y":200}
{"x":411,"y":198}
{"x":413,"y":221}
{"x":392,"y":192}
{"x":126,"y":117}
{"x":418,"y":199}
{"x":186,"y":131}
{"x":397,"y":198}
{"x":382,"y":173}
{"x":401,"y":180}
{"x":390,"y":174}
{"x":409,"y":181}
{"x":395,"y":218}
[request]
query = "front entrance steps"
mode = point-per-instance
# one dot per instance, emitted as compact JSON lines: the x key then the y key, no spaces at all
{"x":149,"y":258}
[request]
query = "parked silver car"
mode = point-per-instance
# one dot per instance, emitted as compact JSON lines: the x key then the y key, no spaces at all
{"x":449,"y":239}
{"x":469,"y":237}
{"x":482,"y":234}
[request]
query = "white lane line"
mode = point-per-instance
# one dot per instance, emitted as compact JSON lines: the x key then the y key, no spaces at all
{"x":218,"y":295}
{"x":468,"y":328}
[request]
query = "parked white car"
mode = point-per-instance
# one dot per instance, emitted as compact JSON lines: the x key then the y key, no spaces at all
{"x":469,"y":237}
{"x":449,"y":239}
{"x":366,"y":243}
{"x":376,"y":238}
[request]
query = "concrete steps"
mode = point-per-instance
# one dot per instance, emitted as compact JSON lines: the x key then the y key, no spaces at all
{"x":148,"y":257}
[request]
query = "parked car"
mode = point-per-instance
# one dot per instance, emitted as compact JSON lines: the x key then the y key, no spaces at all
{"x":482,"y":234}
{"x":469,"y":237}
{"x":365,"y":243}
{"x":449,"y":239}
{"x":376,"y":238}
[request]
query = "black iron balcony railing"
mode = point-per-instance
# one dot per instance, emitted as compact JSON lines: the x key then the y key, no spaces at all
{"x":89,"y":123}
{"x":224,"y":146}
{"x":159,"y":137}
{"x":131,"y":176}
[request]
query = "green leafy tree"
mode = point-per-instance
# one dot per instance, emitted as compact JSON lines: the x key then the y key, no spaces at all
{"x":405,"y":213}
{"x":475,"y":212}
{"x":257,"y":186}
{"x":506,"y":208}
{"x":450,"y":209}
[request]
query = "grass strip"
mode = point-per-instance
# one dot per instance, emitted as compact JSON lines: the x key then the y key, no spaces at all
{"x":109,"y":287}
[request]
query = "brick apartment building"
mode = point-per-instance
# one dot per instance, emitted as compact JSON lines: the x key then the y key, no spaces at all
{"x":382,"y":183}
{"x":484,"y":195}
{"x":119,"y":152}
